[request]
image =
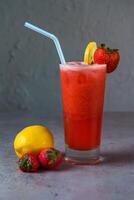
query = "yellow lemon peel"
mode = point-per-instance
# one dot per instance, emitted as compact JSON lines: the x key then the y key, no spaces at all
{"x":33,"y":139}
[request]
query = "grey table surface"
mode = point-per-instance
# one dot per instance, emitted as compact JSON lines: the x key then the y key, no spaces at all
{"x":113,"y":179}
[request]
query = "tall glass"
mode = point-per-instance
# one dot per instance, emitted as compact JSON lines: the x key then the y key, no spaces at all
{"x":82,"y":88}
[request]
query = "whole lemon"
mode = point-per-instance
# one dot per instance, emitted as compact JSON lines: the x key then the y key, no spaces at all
{"x":33,"y":139}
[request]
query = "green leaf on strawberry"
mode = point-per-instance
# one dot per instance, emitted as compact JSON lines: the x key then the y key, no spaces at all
{"x":28,"y":163}
{"x":50,"y":158}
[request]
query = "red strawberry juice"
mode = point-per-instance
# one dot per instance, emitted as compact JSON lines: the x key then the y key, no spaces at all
{"x":82,"y":89}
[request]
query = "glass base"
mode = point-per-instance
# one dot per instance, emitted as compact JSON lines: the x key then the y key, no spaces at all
{"x":83,"y":157}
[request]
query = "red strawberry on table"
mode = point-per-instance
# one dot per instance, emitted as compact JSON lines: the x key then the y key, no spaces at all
{"x":50,"y":158}
{"x":110,"y":57}
{"x":28,"y":163}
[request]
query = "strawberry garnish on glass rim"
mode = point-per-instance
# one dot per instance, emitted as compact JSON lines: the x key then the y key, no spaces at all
{"x":108,"y":56}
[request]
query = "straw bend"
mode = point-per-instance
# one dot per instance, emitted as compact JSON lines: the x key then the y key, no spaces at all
{"x":49,"y":35}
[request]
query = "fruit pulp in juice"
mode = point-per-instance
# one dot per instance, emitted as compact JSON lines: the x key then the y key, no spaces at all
{"x":82,"y":89}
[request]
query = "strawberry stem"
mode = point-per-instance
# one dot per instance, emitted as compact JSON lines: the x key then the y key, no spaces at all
{"x":52,"y":154}
{"x":25,"y":163}
{"x":102,"y":45}
{"x":111,"y":50}
{"x":115,"y":49}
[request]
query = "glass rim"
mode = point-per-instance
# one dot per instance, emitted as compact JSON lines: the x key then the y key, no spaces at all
{"x":80,"y":65}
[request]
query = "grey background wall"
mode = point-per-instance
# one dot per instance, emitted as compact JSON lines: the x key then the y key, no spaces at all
{"x":29,"y":73}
